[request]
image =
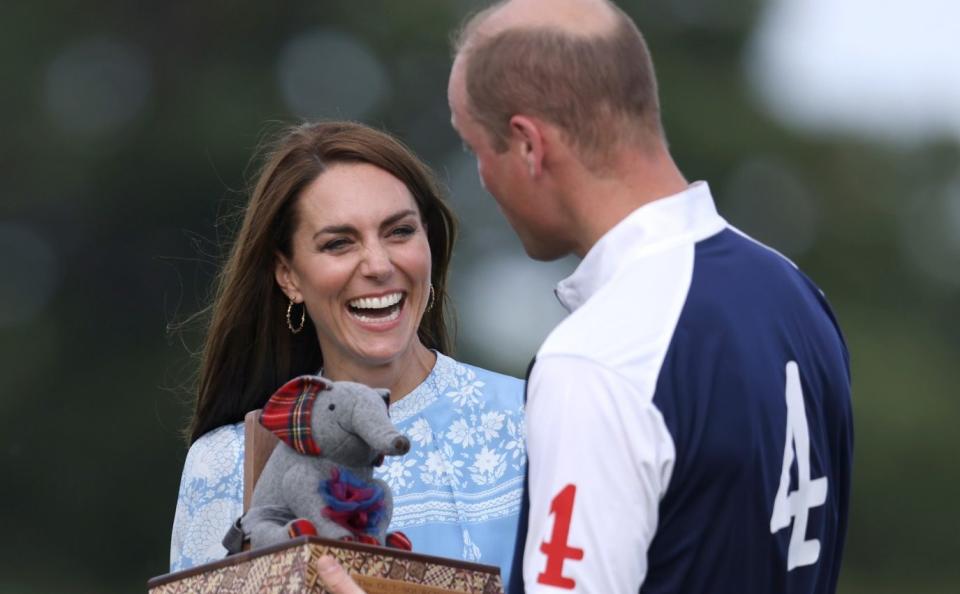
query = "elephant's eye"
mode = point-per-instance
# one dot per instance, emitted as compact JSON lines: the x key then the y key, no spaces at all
{"x":332,"y":406}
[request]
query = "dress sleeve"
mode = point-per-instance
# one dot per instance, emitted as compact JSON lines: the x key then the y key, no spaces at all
{"x":600,"y":459}
{"x":210,"y":497}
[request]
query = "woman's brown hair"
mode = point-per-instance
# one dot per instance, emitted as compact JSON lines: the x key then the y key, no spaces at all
{"x":249,"y":352}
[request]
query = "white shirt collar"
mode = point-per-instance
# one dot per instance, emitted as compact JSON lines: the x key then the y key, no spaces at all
{"x":685,"y":217}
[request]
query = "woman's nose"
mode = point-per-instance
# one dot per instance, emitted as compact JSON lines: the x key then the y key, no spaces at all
{"x":376,"y":262}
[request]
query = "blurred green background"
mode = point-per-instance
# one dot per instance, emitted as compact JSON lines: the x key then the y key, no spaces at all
{"x":126,"y":145}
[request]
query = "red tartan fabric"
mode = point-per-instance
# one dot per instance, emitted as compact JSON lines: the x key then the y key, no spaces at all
{"x":363,"y":538}
{"x":399,"y":540}
{"x":287,"y":413}
{"x":300,"y":527}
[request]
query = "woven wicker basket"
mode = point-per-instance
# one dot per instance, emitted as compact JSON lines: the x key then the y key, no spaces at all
{"x":291,"y":567}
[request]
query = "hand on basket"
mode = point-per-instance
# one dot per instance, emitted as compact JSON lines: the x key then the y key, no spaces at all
{"x":335,"y":578}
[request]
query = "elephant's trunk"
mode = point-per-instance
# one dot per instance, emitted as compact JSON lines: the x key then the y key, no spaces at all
{"x":371,"y":423}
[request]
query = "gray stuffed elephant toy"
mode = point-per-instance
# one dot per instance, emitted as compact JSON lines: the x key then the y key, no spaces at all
{"x":319,"y":480}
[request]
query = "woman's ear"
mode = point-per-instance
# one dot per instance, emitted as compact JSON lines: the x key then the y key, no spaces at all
{"x":287,"y":278}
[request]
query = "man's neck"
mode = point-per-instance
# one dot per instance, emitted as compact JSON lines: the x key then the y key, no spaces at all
{"x":600,"y":202}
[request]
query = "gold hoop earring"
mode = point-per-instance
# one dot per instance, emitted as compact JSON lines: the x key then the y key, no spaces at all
{"x":430,"y":300}
{"x":303,"y":318}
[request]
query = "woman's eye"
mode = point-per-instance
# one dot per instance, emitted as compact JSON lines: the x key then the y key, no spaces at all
{"x":403,"y":231}
{"x":335,"y":245}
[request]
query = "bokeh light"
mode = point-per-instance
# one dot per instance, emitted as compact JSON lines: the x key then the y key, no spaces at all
{"x":29,"y":274}
{"x":507,"y":306}
{"x":96,"y":85}
{"x":829,"y":67}
{"x":930,"y":233}
{"x":329,"y":74}
{"x":765,"y":198}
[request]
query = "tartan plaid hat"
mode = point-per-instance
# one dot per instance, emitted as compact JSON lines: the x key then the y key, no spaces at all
{"x":287,"y":413}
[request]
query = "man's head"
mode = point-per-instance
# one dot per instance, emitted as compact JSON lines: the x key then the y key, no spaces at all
{"x":534,"y":77}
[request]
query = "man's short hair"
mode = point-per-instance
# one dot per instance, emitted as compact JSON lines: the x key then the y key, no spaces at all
{"x":600,"y":89}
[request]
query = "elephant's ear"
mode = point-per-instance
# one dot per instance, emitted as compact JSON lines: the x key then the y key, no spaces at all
{"x":385,"y":394}
{"x":287,"y":413}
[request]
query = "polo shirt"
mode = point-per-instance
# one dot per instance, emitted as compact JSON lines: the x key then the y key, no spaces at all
{"x":689,"y":424}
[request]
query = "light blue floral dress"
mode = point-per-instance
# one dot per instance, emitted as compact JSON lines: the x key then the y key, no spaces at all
{"x":455,"y":494}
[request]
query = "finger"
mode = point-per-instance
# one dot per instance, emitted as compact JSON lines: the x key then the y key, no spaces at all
{"x":335,"y":578}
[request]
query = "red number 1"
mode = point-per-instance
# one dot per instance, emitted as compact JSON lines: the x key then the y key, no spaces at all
{"x":557,"y":550}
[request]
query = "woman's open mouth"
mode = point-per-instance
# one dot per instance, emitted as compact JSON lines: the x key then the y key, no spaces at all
{"x":385,"y":308}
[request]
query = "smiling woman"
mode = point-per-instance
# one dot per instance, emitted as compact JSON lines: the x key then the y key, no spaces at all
{"x":360,"y":263}
{"x":340,"y":267}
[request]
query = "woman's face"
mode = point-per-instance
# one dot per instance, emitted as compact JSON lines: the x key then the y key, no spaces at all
{"x":361,"y":265}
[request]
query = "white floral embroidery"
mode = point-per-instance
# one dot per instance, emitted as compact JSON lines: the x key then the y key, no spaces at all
{"x":486,"y":460}
{"x":490,"y":425}
{"x":396,"y":472}
{"x":515,"y":444}
{"x":467,"y":442}
{"x":468,"y":394}
{"x":461,"y":433}
{"x":488,"y":466}
{"x":432,"y":472}
{"x":442,"y":469}
{"x":420,"y":432}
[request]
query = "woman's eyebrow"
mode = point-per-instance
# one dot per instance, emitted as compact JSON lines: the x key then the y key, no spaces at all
{"x":397,"y":217}
{"x":350,"y":229}
{"x":336,"y":229}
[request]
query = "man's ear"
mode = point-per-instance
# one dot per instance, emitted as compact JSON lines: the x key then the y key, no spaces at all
{"x":528,"y":133}
{"x":287,"y":278}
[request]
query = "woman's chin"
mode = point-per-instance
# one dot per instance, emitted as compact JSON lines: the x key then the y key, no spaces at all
{"x":373,"y":342}
{"x":382,"y":352}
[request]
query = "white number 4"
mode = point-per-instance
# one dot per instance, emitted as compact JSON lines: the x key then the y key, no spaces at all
{"x":809,"y":493}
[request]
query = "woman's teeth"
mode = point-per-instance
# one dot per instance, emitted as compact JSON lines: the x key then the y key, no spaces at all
{"x":376,"y":302}
{"x":393,"y":315}
{"x":376,"y":309}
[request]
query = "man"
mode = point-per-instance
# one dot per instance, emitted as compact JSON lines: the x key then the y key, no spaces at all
{"x":689,"y":425}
